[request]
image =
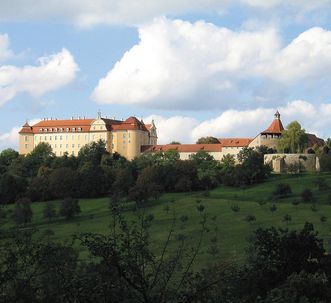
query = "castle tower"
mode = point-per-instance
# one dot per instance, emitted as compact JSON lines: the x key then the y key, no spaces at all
{"x":26,"y":139}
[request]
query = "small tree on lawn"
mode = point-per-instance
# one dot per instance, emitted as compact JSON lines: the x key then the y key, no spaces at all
{"x":49,"y":212}
{"x":22,"y":212}
{"x":235,"y":208}
{"x":69,"y":208}
{"x":323,"y":219}
{"x":287,"y":219}
{"x":321,"y":184}
{"x":307,"y":195}
{"x":250,"y":218}
{"x":273,"y":208}
{"x":313,"y":208}
{"x":282,"y":190}
{"x":296,"y":203}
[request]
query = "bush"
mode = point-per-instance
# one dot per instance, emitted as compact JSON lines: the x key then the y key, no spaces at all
{"x":307,"y":195}
{"x":22,"y":212}
{"x":282,"y":190}
{"x":250,"y":218}
{"x":235,"y":208}
{"x":69,"y":208}
{"x":49,"y":211}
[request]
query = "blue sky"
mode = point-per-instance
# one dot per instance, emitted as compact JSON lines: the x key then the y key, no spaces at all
{"x":208,"y":68}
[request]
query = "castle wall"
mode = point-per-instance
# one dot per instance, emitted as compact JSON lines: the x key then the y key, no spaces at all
{"x":26,"y":143}
{"x":303,"y":162}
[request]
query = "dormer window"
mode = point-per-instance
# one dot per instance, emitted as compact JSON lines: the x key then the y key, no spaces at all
{"x":67,"y":129}
{"x":61,"y":129}
{"x":40,"y":129}
{"x":79,"y":129}
{"x":45,"y":130}
{"x":50,"y":130}
{"x":55,"y":130}
{"x":73,"y":129}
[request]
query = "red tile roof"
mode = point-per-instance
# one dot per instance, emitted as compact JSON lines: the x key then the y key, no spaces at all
{"x":235,"y":142}
{"x":26,"y":129}
{"x":183,"y":148}
{"x":276,"y":127}
{"x":131,"y":123}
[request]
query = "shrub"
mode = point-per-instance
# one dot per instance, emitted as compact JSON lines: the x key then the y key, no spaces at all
{"x":69,"y":208}
{"x":250,"y":218}
{"x":282,"y":190}
{"x":22,"y":212}
{"x":235,"y":208}
{"x":323,"y":219}
{"x":273,"y":208}
{"x":49,"y":212}
{"x":307,"y":195}
{"x":287,"y":218}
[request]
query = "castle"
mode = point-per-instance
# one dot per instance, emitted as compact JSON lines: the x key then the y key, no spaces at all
{"x":69,"y":136}
{"x":132,"y":137}
{"x":233,"y":146}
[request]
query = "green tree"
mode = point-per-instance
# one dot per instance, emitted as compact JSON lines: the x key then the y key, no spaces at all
{"x":22,"y":211}
{"x":92,"y":153}
{"x":69,"y":208}
{"x":175,"y":143}
{"x":207,"y":140}
{"x":63,"y":182}
{"x":294,"y":139}
{"x":49,"y":211}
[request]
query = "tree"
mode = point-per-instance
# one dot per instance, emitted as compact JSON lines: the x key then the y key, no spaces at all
{"x":22,"y":211}
{"x":175,"y":143}
{"x":282,"y":190}
{"x":7,"y":156}
{"x":294,"y":139}
{"x":63,"y":182}
{"x":92,"y":153}
{"x":307,"y":195}
{"x":69,"y":208}
{"x":11,"y":187}
{"x":49,"y":211}
{"x":207,"y":140}
{"x":287,"y":218}
{"x":273,"y":208}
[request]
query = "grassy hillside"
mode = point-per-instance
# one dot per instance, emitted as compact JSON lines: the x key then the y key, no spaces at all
{"x":232,"y":229}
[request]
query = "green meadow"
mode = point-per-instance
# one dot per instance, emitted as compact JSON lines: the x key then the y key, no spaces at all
{"x":229,"y":227}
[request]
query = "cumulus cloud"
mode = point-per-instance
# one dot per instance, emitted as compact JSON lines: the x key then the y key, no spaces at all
{"x":10,"y":139}
{"x":5,"y":51}
{"x":91,"y":12}
{"x":243,"y":123}
{"x":178,"y":64}
{"x":51,"y":73}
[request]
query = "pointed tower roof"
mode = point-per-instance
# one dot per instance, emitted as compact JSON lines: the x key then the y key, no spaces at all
{"x":26,"y":129}
{"x":276,"y":127}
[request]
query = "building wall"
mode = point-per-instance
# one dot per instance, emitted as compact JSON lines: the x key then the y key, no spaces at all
{"x":268,"y":141}
{"x":26,"y":143}
{"x":280,"y":162}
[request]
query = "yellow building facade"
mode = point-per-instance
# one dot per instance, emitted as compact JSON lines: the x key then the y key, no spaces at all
{"x":69,"y":136}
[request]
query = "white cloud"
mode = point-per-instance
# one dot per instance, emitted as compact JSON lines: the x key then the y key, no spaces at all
{"x":91,"y":12}
{"x":51,"y":73}
{"x":5,"y":51}
{"x":244,"y":123}
{"x":10,"y":139}
{"x":182,"y":65}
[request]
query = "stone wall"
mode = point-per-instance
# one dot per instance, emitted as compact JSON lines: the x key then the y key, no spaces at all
{"x":292,"y":163}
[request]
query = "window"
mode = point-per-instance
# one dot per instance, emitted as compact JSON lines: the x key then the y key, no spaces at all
{"x":78,"y":145}
{"x":55,"y":138}
{"x":79,"y":129}
{"x":55,"y":130}
{"x":60,"y":137}
{"x":123,"y":135}
{"x":50,"y":130}
{"x":45,"y":130}
{"x":61,"y":130}
{"x":50,"y":138}
{"x":93,"y":127}
{"x":100,"y":127}
{"x":112,"y":146}
{"x":67,"y":145}
{"x":45,"y":138}
{"x":60,"y":145}
{"x":26,"y":138}
{"x":73,"y":146}
{"x":67,"y":129}
{"x":55,"y":146}
{"x":40,"y":129}
{"x":73,"y":129}
{"x":26,"y":145}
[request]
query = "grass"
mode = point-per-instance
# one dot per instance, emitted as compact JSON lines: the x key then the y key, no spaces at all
{"x":233,"y":231}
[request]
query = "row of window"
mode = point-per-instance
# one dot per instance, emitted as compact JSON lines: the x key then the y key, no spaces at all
{"x":55,"y":130}
{"x":60,"y":145}
{"x":66,"y":137}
